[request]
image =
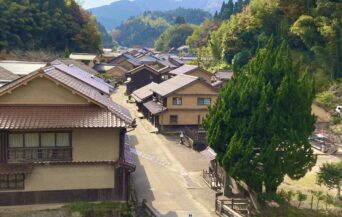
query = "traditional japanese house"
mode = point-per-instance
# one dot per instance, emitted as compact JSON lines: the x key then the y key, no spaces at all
{"x":142,"y":95}
{"x":86,"y":58}
{"x":142,"y":76}
{"x":126,"y":61}
{"x":181,"y":101}
{"x":194,"y":71}
{"x":78,"y":73}
{"x":112,"y":72}
{"x":61,"y":140}
{"x":221,"y":77}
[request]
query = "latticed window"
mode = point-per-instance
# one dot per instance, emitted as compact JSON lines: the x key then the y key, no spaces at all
{"x":12,"y":181}
{"x":39,"y":146}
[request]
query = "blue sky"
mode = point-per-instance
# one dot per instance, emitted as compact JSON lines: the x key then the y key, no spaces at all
{"x":95,"y":3}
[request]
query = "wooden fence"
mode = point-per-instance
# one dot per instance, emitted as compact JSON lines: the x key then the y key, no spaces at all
{"x":233,"y":207}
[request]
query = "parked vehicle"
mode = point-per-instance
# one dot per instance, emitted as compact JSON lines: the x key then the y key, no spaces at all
{"x":322,"y":143}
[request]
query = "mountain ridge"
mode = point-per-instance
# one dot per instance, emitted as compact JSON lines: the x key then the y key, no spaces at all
{"x":113,"y":14}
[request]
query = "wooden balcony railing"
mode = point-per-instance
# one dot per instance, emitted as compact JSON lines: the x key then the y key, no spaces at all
{"x":16,"y":155}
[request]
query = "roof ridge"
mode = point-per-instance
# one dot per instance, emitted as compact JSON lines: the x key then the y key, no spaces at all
{"x":105,"y":101}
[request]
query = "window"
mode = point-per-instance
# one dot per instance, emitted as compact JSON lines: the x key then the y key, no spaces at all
{"x":62,"y":139}
{"x":41,"y":146}
{"x":13,"y":181}
{"x":47,"y":139}
{"x":176,"y":101}
{"x":203,"y":101}
{"x":31,"y":140}
{"x":16,"y":140}
{"x":173,"y":119}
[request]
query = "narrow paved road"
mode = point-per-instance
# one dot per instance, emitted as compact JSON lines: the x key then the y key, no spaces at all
{"x":168,"y":175}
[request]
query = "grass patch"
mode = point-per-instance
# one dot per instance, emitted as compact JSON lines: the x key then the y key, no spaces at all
{"x":294,"y":212}
{"x":101,"y":209}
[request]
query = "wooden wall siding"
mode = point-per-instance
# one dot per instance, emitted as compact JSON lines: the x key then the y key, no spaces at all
{"x":63,"y":196}
{"x":3,"y":146}
{"x":142,"y":78}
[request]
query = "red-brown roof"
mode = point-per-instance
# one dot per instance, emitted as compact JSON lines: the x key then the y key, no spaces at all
{"x":57,"y":117}
{"x":105,"y":104}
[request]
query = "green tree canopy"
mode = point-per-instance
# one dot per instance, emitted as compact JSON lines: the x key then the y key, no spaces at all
{"x":47,"y":24}
{"x":330,"y":175}
{"x":261,"y":121}
{"x":173,"y":37}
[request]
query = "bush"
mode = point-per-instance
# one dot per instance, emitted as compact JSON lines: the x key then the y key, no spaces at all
{"x":327,"y":99}
{"x":278,"y":198}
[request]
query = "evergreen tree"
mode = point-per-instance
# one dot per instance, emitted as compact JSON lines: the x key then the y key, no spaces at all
{"x":261,"y":121}
{"x":180,"y":20}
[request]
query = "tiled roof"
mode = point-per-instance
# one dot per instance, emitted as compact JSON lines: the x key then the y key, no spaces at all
{"x":167,"y":63}
{"x":57,"y":117}
{"x":6,"y":75}
{"x":80,"y":65}
{"x":83,"y":76}
{"x":132,"y":60}
{"x":144,"y":92}
{"x":88,"y":91}
{"x":21,"y":67}
{"x":140,"y":68}
{"x":154,"y":108}
{"x":224,"y":75}
{"x":173,"y":84}
{"x":183,"y":69}
{"x":147,"y":59}
{"x":82,"y":88}
{"x":82,"y":56}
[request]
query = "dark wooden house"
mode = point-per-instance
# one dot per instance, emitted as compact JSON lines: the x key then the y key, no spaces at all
{"x":142,"y":76}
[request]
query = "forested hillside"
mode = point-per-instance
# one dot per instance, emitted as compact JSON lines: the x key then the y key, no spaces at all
{"x":174,"y":37}
{"x":56,"y":25}
{"x":143,"y":30}
{"x":312,"y":29}
{"x":111,"y":16}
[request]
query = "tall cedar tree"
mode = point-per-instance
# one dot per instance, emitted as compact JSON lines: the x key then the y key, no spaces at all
{"x":261,"y":121}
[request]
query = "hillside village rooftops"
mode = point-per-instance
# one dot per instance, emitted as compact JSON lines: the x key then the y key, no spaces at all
{"x":149,"y":68}
{"x":83,"y":56}
{"x":144,"y":92}
{"x":132,"y":60}
{"x":21,"y":67}
{"x":184,"y":69}
{"x":83,"y":76}
{"x":173,"y":84}
{"x":80,"y":65}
